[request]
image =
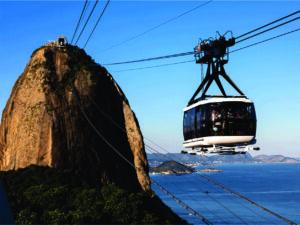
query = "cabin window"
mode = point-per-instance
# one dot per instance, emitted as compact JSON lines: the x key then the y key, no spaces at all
{"x":220,"y":119}
{"x":192,"y":123}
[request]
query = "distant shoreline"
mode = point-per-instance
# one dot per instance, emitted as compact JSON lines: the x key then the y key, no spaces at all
{"x":211,"y":170}
{"x":207,"y":161}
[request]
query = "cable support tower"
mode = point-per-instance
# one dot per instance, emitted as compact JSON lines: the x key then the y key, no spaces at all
{"x":137,"y":169}
{"x":79,"y":20}
{"x":159,"y":25}
{"x":97,"y":23}
{"x":86,"y":22}
{"x":210,"y":180}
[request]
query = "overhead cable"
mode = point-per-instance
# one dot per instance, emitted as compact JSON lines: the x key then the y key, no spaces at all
{"x":86,"y":22}
{"x":150,"y":59}
{"x":97,"y":23}
{"x":275,"y":21}
{"x":226,"y":208}
{"x":79,"y":20}
{"x":269,"y":39}
{"x":161,"y":65}
{"x":161,"y":24}
{"x":182,"y":203}
{"x":254,"y":35}
{"x":169,"y":64}
{"x":190,"y":53}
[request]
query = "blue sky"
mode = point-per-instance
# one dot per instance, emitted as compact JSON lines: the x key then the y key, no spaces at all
{"x":267,"y":73}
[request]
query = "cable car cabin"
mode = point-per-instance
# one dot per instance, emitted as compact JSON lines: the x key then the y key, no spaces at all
{"x":219,"y":121}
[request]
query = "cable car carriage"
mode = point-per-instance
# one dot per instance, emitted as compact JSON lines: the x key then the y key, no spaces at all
{"x":218,"y":124}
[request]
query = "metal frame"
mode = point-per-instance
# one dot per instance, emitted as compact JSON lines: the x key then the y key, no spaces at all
{"x":214,"y":53}
{"x":214,"y":70}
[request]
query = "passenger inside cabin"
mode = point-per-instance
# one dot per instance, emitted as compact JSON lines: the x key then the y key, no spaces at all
{"x":230,"y":113}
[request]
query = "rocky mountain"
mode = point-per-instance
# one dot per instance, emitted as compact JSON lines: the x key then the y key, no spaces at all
{"x":58,"y":107}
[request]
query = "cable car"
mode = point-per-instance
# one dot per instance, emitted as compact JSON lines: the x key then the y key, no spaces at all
{"x":219,"y":124}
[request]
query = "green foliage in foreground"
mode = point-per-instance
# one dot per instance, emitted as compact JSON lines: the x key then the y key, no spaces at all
{"x":43,"y":195}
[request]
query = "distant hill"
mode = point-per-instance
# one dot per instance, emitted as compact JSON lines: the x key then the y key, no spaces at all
{"x":275,"y":159}
{"x":197,"y":160}
{"x":171,"y":167}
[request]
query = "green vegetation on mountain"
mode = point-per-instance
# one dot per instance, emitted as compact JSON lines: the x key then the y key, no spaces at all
{"x":44,"y":195}
{"x":171,"y":167}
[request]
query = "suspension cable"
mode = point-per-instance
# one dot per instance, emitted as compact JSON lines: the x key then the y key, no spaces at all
{"x":159,"y":25}
{"x":96,"y":23}
{"x":79,"y":20}
{"x":275,"y":21}
{"x":86,"y":22}
{"x":182,"y":203}
{"x":191,"y":53}
{"x":161,"y":65}
{"x":226,"y":208}
{"x":254,"y":35}
{"x":269,"y":39}
{"x":181,"y":62}
{"x":150,"y":59}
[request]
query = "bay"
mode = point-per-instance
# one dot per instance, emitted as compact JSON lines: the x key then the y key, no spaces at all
{"x":276,"y":187}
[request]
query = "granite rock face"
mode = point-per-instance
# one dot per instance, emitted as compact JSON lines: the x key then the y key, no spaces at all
{"x":57,"y":112}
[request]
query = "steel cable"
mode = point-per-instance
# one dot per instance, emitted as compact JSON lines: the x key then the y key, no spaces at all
{"x":79,"y":20}
{"x":86,"y":22}
{"x":272,"y":28}
{"x":275,"y":21}
{"x":191,"y":53}
{"x":181,"y":62}
{"x":159,"y":25}
{"x":96,"y":23}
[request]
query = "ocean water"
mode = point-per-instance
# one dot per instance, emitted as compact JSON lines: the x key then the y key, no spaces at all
{"x":275,"y":187}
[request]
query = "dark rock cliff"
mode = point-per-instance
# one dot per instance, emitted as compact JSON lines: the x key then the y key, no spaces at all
{"x":43,"y":124}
